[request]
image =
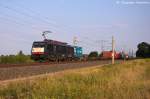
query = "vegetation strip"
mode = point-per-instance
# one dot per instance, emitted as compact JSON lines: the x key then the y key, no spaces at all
{"x":129,"y":80}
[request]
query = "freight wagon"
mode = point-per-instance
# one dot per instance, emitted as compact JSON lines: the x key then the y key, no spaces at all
{"x":108,"y":55}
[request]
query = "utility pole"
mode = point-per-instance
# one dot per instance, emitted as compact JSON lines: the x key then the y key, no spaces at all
{"x":132,"y":54}
{"x":113,"y":50}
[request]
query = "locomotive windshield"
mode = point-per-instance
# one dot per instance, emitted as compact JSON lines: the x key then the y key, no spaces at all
{"x":38,"y":44}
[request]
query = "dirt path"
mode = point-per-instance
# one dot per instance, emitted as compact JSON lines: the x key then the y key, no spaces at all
{"x":26,"y":71}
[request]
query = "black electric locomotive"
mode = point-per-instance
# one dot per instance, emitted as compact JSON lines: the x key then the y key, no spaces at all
{"x":52,"y":50}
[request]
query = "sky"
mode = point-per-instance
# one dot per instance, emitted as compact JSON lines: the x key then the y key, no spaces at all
{"x":90,"y":21}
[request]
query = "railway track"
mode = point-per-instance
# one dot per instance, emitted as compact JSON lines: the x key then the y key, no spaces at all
{"x":36,"y":64}
{"x":18,"y":71}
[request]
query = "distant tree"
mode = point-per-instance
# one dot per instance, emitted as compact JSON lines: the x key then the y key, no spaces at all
{"x":93,"y":54}
{"x":20,"y":52}
{"x":143,"y":50}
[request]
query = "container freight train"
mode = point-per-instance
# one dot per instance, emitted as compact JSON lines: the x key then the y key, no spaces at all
{"x":51,"y":50}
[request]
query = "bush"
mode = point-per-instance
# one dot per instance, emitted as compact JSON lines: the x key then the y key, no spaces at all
{"x":93,"y":55}
{"x":143,"y":50}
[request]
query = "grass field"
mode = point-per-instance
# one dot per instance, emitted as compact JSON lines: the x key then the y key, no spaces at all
{"x":129,"y":80}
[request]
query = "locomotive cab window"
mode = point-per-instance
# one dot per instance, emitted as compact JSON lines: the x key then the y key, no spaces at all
{"x":38,"y":44}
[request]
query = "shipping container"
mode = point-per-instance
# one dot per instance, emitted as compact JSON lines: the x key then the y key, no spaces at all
{"x":108,"y":55}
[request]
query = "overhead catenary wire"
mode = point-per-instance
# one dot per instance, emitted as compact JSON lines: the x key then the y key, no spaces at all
{"x":23,"y":24}
{"x":17,"y":30}
{"x":103,"y":44}
{"x":34,"y":16}
{"x":45,"y":18}
{"x":9,"y":18}
{"x":37,"y":14}
{"x":24,"y":14}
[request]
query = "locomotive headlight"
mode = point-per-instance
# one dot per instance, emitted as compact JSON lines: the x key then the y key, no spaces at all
{"x":38,"y":49}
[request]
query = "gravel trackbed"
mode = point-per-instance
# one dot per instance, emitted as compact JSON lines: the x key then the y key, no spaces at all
{"x":26,"y":71}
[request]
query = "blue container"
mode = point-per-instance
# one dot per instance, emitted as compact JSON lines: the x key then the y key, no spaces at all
{"x":78,"y":51}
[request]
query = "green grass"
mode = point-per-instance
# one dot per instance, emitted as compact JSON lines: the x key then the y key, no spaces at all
{"x":15,"y":59}
{"x":130,"y":80}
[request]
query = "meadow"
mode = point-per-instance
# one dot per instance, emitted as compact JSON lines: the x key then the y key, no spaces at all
{"x":126,"y":80}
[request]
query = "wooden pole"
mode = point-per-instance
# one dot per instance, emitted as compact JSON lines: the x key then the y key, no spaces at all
{"x":113,"y":50}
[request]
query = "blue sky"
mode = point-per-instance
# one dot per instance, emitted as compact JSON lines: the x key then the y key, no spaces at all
{"x":22,"y":22}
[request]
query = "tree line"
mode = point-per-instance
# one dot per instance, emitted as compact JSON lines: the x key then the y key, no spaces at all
{"x":15,"y":59}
